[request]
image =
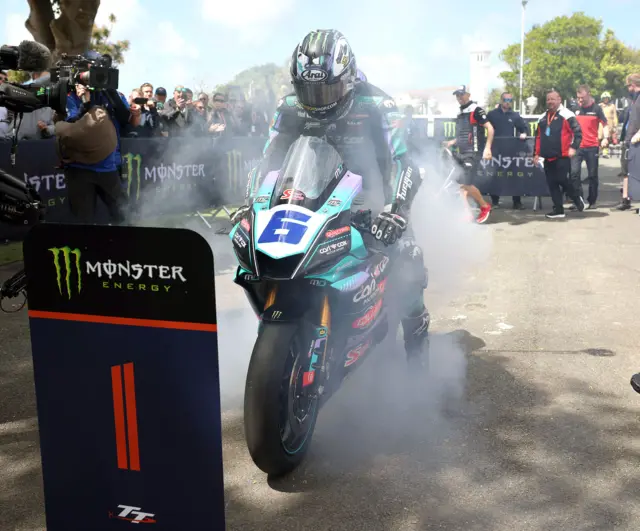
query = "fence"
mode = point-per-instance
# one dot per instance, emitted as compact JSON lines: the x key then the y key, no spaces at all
{"x":170,"y":176}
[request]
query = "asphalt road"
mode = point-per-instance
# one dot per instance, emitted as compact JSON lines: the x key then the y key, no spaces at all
{"x":525,"y":420}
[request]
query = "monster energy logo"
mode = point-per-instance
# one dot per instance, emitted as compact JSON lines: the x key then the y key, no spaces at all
{"x":234,"y":162}
{"x":449,"y":129}
{"x":532,"y":128}
{"x":66,"y":253}
{"x":130,"y":158}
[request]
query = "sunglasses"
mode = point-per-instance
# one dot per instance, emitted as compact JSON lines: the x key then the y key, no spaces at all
{"x":218,"y":100}
{"x":507,"y":100}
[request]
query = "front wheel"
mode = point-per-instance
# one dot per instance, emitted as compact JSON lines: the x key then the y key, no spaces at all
{"x":279,"y":413}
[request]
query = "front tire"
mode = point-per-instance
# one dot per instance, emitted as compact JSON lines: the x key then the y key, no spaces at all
{"x":279,"y":416}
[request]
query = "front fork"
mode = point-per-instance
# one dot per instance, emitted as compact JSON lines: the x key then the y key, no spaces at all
{"x":316,"y":338}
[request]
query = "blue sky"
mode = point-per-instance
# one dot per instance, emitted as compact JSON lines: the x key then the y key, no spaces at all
{"x":400,"y":44}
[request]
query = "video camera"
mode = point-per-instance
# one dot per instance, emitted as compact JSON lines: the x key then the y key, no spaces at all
{"x":92,"y":70}
{"x":20,"y":204}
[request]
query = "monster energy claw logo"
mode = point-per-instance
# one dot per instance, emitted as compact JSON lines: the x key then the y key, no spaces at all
{"x":130,"y":158}
{"x":66,"y":253}
{"x":532,"y":128}
{"x":234,"y":161}
{"x":449,"y":129}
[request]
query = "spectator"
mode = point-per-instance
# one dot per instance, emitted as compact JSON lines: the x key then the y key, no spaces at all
{"x":199,"y":125}
{"x":4,"y":77}
{"x":611,"y":114}
{"x":146,"y":90}
{"x":632,"y":135}
{"x":189,"y":96}
{"x":219,"y":116}
{"x":625,"y":203}
{"x":242,"y":124}
{"x":589,"y":116}
{"x":504,"y":121}
{"x":176,"y":115}
{"x":147,"y":121}
{"x":87,"y":182}
{"x":558,"y":136}
{"x":161,"y":97}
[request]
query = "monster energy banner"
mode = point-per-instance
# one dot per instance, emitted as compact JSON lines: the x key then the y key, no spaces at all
{"x":445,"y":128}
{"x":124,"y":341}
{"x":160,"y":176}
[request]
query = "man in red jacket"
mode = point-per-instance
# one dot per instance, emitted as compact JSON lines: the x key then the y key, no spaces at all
{"x":589,"y":115}
{"x":558,"y":136}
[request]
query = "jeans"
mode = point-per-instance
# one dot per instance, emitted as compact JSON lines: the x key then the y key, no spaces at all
{"x":590,"y":156}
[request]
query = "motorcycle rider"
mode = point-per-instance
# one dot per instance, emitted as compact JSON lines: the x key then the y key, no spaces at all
{"x":332,"y":99}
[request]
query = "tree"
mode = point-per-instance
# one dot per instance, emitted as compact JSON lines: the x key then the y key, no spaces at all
{"x":269,"y":79}
{"x":63,"y":26}
{"x":101,"y":44}
{"x":494,"y":98}
{"x":566,"y":52}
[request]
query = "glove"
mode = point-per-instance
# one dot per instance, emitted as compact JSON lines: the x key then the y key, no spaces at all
{"x":239,"y":214}
{"x":388,"y":227}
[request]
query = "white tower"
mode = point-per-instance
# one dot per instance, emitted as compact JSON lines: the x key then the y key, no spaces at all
{"x":479,"y":75}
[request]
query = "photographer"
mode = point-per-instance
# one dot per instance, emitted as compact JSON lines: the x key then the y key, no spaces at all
{"x":86,"y":181}
{"x":177,"y":115}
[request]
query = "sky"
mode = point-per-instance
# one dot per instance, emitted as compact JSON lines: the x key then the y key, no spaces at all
{"x":400,"y":45}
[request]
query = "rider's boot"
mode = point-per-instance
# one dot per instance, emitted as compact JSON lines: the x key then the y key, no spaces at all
{"x":416,"y":335}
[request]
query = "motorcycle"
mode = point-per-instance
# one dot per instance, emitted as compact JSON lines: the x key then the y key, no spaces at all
{"x":320,"y":285}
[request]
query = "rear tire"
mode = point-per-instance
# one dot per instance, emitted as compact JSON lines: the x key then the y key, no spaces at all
{"x":269,"y":400}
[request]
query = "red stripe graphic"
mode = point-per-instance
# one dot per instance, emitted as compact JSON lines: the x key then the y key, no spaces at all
{"x":132,"y":417}
{"x":124,"y":396}
{"x":118,"y":413}
{"x":127,"y":321}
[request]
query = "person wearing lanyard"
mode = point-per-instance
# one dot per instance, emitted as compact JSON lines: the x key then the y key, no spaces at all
{"x":558,"y":136}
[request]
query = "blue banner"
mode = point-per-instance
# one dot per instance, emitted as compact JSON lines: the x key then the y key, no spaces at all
{"x":124,"y":342}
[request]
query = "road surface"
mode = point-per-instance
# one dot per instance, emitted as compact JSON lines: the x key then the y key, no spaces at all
{"x":525,"y":421}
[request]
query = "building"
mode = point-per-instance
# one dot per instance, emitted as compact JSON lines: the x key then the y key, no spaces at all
{"x":440,"y":101}
{"x":479,"y":75}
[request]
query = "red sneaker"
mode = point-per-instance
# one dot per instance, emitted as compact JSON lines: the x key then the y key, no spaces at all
{"x":484,"y":214}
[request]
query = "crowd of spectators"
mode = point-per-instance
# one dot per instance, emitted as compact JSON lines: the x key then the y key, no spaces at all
{"x":188,"y":114}
{"x":155,"y":113}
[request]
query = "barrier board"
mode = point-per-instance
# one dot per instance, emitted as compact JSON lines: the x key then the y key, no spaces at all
{"x":124,"y":340}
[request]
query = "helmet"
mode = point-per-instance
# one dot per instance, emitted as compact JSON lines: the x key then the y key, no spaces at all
{"x":324,"y":73}
{"x":605,"y":95}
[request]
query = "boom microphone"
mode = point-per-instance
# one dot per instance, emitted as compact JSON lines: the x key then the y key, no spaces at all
{"x":33,"y":57}
{"x":29,"y":56}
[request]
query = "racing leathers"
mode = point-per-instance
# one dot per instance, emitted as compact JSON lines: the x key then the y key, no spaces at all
{"x":370,"y":138}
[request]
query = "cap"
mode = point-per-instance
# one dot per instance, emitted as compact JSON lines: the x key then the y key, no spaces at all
{"x":462,"y":89}
{"x":161,"y":91}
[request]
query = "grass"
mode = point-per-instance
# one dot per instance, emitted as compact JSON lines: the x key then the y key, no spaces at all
{"x":11,"y":252}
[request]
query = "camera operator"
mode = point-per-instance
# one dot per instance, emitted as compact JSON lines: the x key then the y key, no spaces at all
{"x":88,"y":181}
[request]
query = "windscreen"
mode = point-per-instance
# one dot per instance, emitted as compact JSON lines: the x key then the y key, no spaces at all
{"x":309,"y":167}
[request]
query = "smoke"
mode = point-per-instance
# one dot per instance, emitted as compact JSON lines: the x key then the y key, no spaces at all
{"x":377,"y":409}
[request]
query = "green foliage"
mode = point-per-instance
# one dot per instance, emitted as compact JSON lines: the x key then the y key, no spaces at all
{"x":101,"y":44}
{"x":566,"y":52}
{"x":18,"y":76}
{"x":267,"y":77}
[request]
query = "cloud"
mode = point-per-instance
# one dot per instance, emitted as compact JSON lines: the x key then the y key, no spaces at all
{"x":128,"y":14}
{"x":252,"y":19}
{"x":14,"y":29}
{"x":175,"y":44}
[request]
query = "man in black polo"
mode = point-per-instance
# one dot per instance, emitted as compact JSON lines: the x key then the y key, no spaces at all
{"x":504,"y":121}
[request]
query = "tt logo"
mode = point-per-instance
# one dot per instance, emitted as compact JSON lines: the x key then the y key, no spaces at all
{"x":276,"y":315}
{"x":134,"y":515}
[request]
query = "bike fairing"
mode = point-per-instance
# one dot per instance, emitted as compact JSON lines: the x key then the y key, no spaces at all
{"x":298,"y":227}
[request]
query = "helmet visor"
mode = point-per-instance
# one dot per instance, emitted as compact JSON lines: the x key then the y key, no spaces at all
{"x":320,"y":96}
